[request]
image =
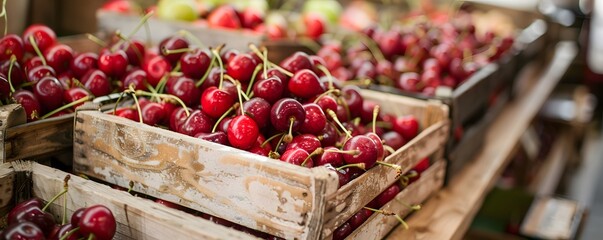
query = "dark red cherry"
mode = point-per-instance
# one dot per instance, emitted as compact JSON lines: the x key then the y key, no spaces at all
{"x":29,"y":102}
{"x":390,"y":44}
{"x":43,"y":36}
{"x":35,"y":74}
{"x":229,"y":54}
{"x":270,"y":89}
{"x":98,"y":220}
{"x":407,"y":126}
{"x":251,"y":18}
{"x":32,"y":63}
{"x":215,"y":102}
{"x":185,"y":89}
{"x":136,"y":78}
{"x":367,"y":151}
{"x":223,"y":125}
{"x":213,"y":78}
{"x":177,"y":118}
{"x":156,"y":67}
{"x":257,"y":147}
{"x":59,"y":57}
{"x":353,"y":99}
{"x":327,"y":102}
{"x":82,"y":63}
{"x":22,"y":230}
{"x":241,"y":67}
{"x":35,"y":215}
{"x":422,"y":165}
{"x":63,"y":230}
{"x":127,"y":112}
{"x":242,"y":132}
{"x":114,"y":64}
{"x":135,"y":51}
{"x":315,"y":120}
{"x":169,"y":204}
{"x":377,"y":140}
{"x":358,"y":219}
{"x":305,"y":84}
{"x":297,"y":156}
{"x":387,"y":195}
{"x":153,"y":113}
{"x":194,"y":64}
{"x":97,"y":83}
{"x":259,"y":110}
{"x":342,"y":231}
{"x":306,"y":142}
{"x":225,"y":16}
{"x":329,"y":135}
{"x":296,"y":62}
{"x":17,"y":75}
{"x":50,"y":93}
{"x":172,"y":43}
{"x":330,"y":156}
{"x":284,"y":112}
{"x":10,"y":45}
{"x":22,"y":206}
{"x":197,"y":122}
{"x":216,"y":137}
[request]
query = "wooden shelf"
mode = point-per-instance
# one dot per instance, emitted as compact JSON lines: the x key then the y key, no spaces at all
{"x":449,"y":213}
{"x":550,"y":172}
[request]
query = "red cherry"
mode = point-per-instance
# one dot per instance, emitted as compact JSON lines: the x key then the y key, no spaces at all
{"x":185,"y":89}
{"x":315,"y":120}
{"x":242,"y":132}
{"x":305,"y":84}
{"x":169,"y":204}
{"x":63,"y":230}
{"x":215,"y":102}
{"x":329,"y":135}
{"x":315,"y":25}
{"x":342,"y":231}
{"x":330,"y":156}
{"x":296,"y":62}
{"x":390,"y":44}
{"x":259,"y":110}
{"x":367,"y":151}
{"x":306,"y":142}
{"x":128,"y":113}
{"x":332,"y":58}
{"x":359,"y":218}
{"x":393,"y":139}
{"x":408,"y":81}
{"x":177,"y":118}
{"x":377,"y":140}
{"x":170,"y":44}
{"x":387,"y":195}
{"x":59,"y":57}
{"x":270,"y":89}
{"x":407,"y":126}
{"x":29,"y":102}
{"x":97,"y":220}
{"x":286,"y":110}
{"x":224,"y":16}
{"x":114,"y":64}
{"x":194,"y":64}
{"x":82,"y":63}
{"x":353,"y":99}
{"x":10,"y":45}
{"x":135,"y":51}
{"x":50,"y":93}
{"x":35,"y":215}
{"x":22,"y":230}
{"x":43,"y":36}
{"x":217,"y":137}
{"x":155,"y":67}
{"x":297,"y":156}
{"x":35,"y":74}
{"x":136,"y":78}
{"x":153,"y":113}
{"x":258,"y":149}
{"x":22,"y":206}
{"x":97,"y":83}
{"x":17,"y":75}
{"x":197,"y":122}
{"x":241,"y":67}
{"x":422,"y":165}
{"x":251,"y":18}
{"x":229,"y":54}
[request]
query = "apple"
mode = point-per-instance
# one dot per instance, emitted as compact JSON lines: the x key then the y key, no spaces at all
{"x":178,"y":10}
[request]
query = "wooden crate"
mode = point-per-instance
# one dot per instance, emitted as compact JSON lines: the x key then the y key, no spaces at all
{"x":136,"y":218}
{"x":251,"y":190}
{"x":378,"y":225}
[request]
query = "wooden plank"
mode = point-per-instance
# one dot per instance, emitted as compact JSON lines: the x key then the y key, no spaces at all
{"x":10,"y":115}
{"x":137,"y":218}
{"x":549,"y":174}
{"x":449,"y":214}
{"x":378,"y":225}
{"x":39,"y":138}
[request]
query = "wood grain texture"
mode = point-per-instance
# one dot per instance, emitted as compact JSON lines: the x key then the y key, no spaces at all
{"x":10,"y":115}
{"x":448,"y":214}
{"x":137,"y":218}
{"x":39,"y":138}
{"x":378,"y":225}
{"x":251,"y":190}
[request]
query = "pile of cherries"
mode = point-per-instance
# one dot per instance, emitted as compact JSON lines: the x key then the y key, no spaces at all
{"x":49,"y":78}
{"x":418,"y":56}
{"x":293,"y":111}
{"x":30,"y":220}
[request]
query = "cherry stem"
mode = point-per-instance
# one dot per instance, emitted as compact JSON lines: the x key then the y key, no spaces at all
{"x":213,"y":130}
{"x":257,"y":52}
{"x":413,"y":207}
{"x":334,"y":116}
{"x":318,"y":151}
{"x":65,"y":189}
{"x":160,"y":86}
{"x":66,"y":106}
{"x":345,"y":107}
{"x":64,"y":210}
{"x":166,"y":51}
{"x":137,"y":107}
{"x":359,"y":82}
{"x":163,"y":95}
{"x":394,"y":166}
{"x":71,"y":232}
{"x":388,"y":213}
{"x":91,"y":236}
{"x":192,"y":37}
{"x":280,"y":141}
{"x":270,"y":139}
{"x":206,"y":74}
{"x":5,"y":15}
{"x":372,"y":47}
{"x":255,"y":73}
{"x":221,"y":64}
{"x":118,"y":100}
{"x":265,"y":59}
{"x":13,"y":59}
{"x":375,"y":114}
{"x":349,"y":152}
{"x":389,"y":148}
{"x":122,"y":37}
{"x":37,"y":49}
{"x":289,"y":136}
{"x":334,"y":91}
{"x":328,"y":73}
{"x":97,"y":40}
{"x":143,"y":20}
{"x":356,"y":165}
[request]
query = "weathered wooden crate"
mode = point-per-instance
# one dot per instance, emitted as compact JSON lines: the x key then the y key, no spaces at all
{"x":251,"y":190}
{"x":379,"y":225}
{"x":136,"y":218}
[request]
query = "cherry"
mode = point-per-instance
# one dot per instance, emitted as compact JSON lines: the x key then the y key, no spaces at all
{"x":456,"y":69}
{"x":82,"y":63}
{"x":136,"y":78}
{"x":42,"y":35}
{"x":32,"y":63}
{"x":99,"y":221}
{"x":114,"y":64}
{"x":327,"y":102}
{"x":342,"y":231}
{"x":172,"y":43}
{"x":213,"y":78}
{"x":155,"y":67}
{"x":387,"y":195}
{"x":59,"y":57}
{"x":241,"y":67}
{"x":74,"y":94}
{"x":353,"y":99}
{"x":366,"y":151}
{"x":17,"y":76}
{"x":50,"y":93}
{"x":296,"y":62}
{"x":217,"y":137}
{"x":177,"y":118}
{"x":393,"y":139}
{"x":34,"y":214}
{"x":407,"y":126}
{"x":366,"y":70}
{"x":251,"y":18}
{"x":229,"y":54}
{"x":10,"y":45}
{"x":359,"y":218}
{"x":97,"y":83}
{"x":29,"y":102}
{"x":215,"y":102}
{"x":260,"y":148}
{"x":223,"y":125}
{"x":409,"y":81}
{"x":386,"y":68}
{"x":23,"y":230}
{"x":135,"y":51}
{"x":329,"y":135}
{"x":242,"y":132}
{"x":422,"y":165}
{"x":306,"y":142}
{"x":305,"y":84}
{"x":38,"y":72}
{"x":332,"y":58}
{"x":377,"y":140}
{"x":366,"y":115}
{"x":224,"y":16}
{"x":197,"y":122}
{"x":259,"y":110}
{"x":63,"y":230}
{"x":169,"y":204}
{"x":298,"y":157}
{"x":194,"y":64}
{"x":330,"y":156}
{"x":20,"y":207}
{"x":287,"y":113}
{"x":315,"y":120}
{"x":270,"y":89}
{"x":315,"y":25}
{"x":153,"y":113}
{"x":185,"y":89}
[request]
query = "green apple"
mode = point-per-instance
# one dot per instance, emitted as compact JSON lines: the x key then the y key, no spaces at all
{"x":330,"y":9}
{"x":179,"y":10}
{"x":261,"y":5}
